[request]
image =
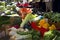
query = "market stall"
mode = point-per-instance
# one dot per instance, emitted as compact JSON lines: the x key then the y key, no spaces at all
{"x":23,"y":23}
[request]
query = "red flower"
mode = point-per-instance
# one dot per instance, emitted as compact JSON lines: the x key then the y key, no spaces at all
{"x":34,"y":26}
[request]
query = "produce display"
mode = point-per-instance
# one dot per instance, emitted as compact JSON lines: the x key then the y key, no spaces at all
{"x":36,"y":27}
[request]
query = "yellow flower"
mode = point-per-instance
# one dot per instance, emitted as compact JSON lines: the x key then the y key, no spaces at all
{"x":52,"y":27}
{"x":46,"y":25}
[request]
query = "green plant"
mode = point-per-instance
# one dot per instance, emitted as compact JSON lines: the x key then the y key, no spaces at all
{"x":35,"y":34}
{"x":53,"y":17}
{"x":56,"y":17}
{"x":48,"y":15}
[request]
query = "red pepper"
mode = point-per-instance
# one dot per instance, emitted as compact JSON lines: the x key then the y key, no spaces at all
{"x":34,"y":26}
{"x":41,"y":30}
